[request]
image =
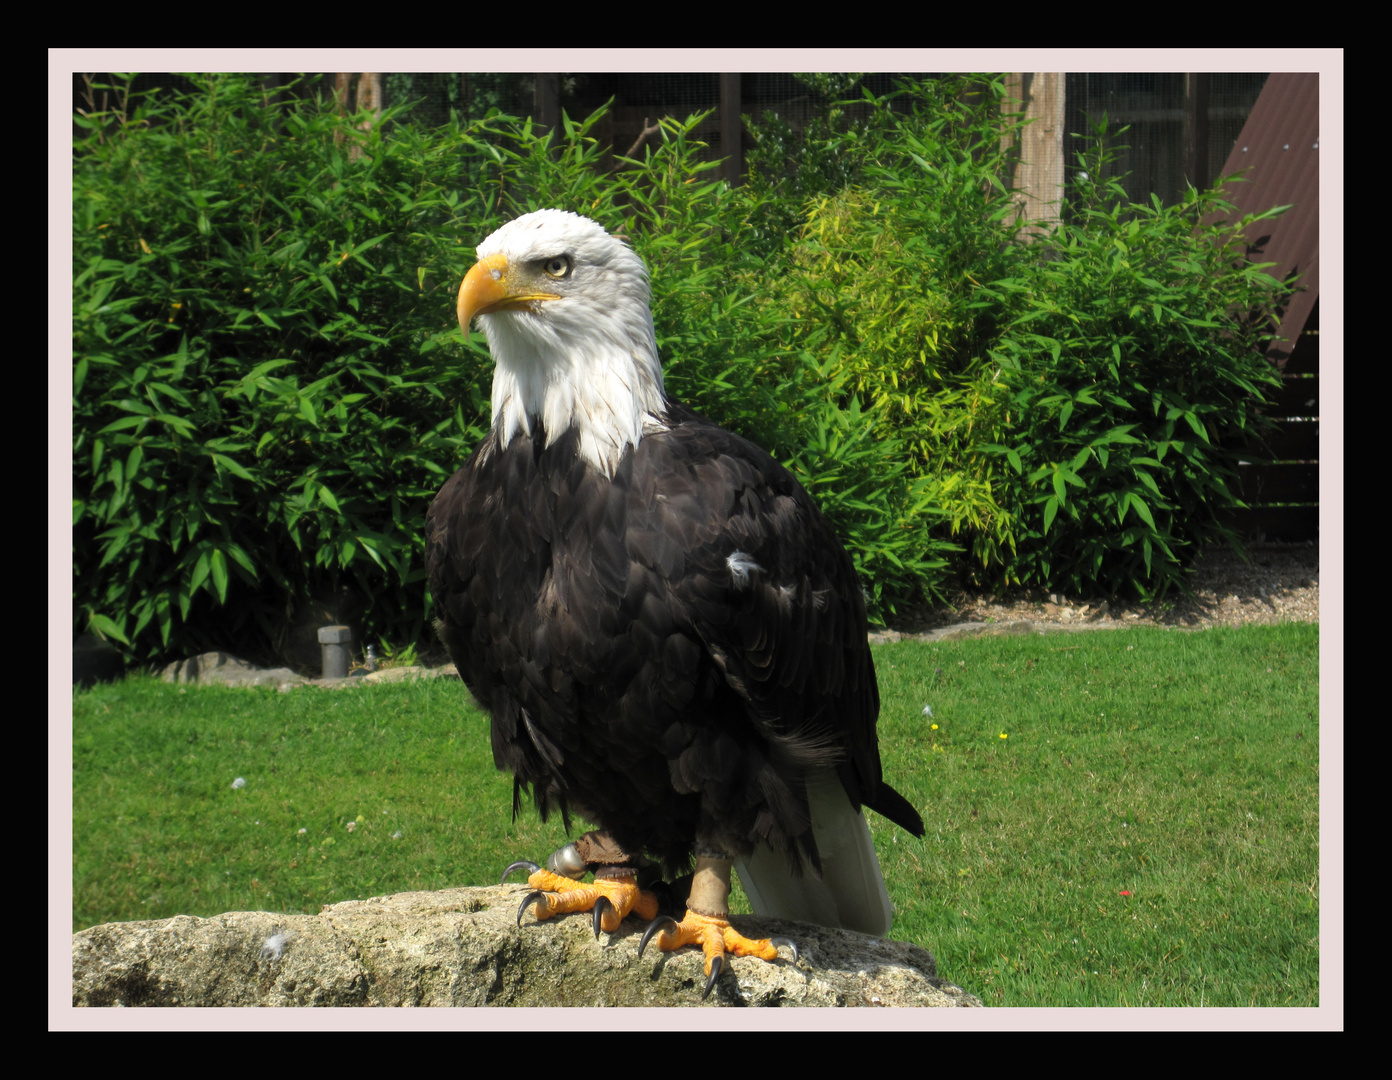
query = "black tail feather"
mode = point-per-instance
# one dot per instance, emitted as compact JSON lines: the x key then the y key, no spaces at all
{"x":889,"y":803}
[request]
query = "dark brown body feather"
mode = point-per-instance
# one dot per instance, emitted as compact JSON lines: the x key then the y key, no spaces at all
{"x":635,"y":677}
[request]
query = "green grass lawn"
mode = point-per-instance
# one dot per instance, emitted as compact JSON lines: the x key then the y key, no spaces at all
{"x":1113,"y":818}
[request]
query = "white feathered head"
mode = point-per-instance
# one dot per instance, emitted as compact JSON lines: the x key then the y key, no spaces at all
{"x":566,"y":311}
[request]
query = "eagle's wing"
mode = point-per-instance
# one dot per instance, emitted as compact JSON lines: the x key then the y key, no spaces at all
{"x":487,"y":544}
{"x":774,"y":599}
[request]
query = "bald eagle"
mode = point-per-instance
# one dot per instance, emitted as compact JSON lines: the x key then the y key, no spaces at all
{"x":666,"y":633}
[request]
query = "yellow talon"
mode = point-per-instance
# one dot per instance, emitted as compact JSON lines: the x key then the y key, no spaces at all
{"x":562,"y":895}
{"x":715,"y":935}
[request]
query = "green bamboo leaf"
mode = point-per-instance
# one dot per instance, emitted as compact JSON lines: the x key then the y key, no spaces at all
{"x":105,"y":627}
{"x":263,"y":369}
{"x":218,"y":564}
{"x":182,"y":426}
{"x":369,"y":244}
{"x":230,"y":464}
{"x":242,"y":559}
{"x":1119,"y":434}
{"x":123,"y":424}
{"x":200,"y":572}
{"x":1138,"y":504}
{"x":164,"y":616}
{"x":370,"y":547}
{"x":144,"y":612}
{"x":118,"y":539}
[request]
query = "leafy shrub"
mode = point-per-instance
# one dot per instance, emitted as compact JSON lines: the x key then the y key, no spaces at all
{"x":1071,"y":399}
{"x":731,"y":350}
{"x":785,"y":169}
{"x":860,"y":473}
{"x":881,"y":280}
{"x":261,"y":297}
{"x":1133,"y":357}
{"x":269,"y":389}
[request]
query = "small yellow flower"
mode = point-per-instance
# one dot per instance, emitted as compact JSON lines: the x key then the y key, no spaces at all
{"x":1003,"y":735}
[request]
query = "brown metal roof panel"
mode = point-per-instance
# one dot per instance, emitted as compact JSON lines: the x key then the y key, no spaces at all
{"x":1278,"y":154}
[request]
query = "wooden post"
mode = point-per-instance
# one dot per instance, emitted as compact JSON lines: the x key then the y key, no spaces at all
{"x":731,"y":127}
{"x":368,"y":98}
{"x":546,"y":100}
{"x":1039,"y":171}
{"x":1196,"y":165}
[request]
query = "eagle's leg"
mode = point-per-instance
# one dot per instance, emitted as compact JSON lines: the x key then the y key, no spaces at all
{"x":614,"y":894}
{"x":707,"y":922}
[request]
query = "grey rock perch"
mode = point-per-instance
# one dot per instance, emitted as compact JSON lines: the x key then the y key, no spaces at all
{"x":463,"y":947}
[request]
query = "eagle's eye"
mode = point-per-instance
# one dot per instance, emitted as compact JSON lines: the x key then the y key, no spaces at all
{"x":558,"y":266}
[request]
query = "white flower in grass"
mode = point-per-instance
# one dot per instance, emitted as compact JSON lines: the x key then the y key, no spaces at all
{"x":238,"y":783}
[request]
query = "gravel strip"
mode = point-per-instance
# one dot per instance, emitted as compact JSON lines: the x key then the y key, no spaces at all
{"x":1280,"y":583}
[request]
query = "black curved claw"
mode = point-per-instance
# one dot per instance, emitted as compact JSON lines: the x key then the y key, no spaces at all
{"x":656,"y":926}
{"x":527,"y":901}
{"x":789,"y":942}
{"x":530,"y":867}
{"x":717,"y":966}
{"x":600,"y":907}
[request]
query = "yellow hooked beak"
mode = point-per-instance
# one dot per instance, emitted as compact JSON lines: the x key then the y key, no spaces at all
{"x":487,"y":289}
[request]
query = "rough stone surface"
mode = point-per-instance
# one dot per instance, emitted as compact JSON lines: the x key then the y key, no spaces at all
{"x":224,"y":669}
{"x":463,"y":947}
